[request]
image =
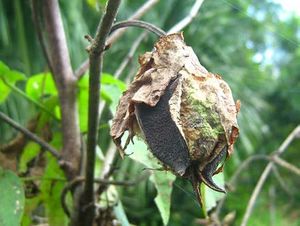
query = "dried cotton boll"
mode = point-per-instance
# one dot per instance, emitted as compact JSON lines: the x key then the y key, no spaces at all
{"x":185,"y":114}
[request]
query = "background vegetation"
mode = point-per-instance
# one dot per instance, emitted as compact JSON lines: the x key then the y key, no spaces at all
{"x":252,"y":44}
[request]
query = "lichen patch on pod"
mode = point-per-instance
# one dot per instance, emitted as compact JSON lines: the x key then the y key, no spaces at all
{"x":185,"y":114}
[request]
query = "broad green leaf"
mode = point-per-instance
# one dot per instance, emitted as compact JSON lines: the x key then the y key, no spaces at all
{"x":83,"y":109}
{"x":162,"y":180}
{"x":4,"y":90}
{"x":51,"y":188}
{"x":111,"y":90}
{"x":4,"y":69}
{"x":83,"y":100}
{"x":50,"y":103}
{"x":111,"y":80}
{"x":211,"y":197}
{"x":96,"y":3}
{"x":40,"y":85}
{"x":30,"y":151}
{"x":8,"y":76}
{"x":12,"y":198}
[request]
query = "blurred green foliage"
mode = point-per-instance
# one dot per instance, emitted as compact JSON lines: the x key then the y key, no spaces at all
{"x":249,"y":43}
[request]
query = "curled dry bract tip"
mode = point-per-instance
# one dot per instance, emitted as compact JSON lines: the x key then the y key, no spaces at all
{"x":185,"y":114}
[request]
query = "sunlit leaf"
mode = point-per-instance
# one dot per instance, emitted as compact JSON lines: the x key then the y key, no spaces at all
{"x":96,"y":3}
{"x":111,"y":80}
{"x":111,"y":90}
{"x":8,"y":76}
{"x":4,"y":90}
{"x":30,"y":151}
{"x":40,"y":85}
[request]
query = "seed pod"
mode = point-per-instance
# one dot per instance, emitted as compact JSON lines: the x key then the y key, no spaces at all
{"x":185,"y":114}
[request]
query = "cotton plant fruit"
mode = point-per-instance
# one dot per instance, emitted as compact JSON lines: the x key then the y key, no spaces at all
{"x":185,"y":114}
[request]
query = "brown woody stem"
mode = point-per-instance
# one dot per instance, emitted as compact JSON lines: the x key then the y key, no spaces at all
{"x":96,"y":57}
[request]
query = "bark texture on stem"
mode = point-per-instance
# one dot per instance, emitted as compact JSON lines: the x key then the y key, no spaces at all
{"x":66,"y":85}
{"x":96,"y":54}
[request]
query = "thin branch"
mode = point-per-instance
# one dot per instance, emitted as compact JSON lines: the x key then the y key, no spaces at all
{"x":245,"y":164}
{"x":188,"y":19}
{"x":281,"y":181}
{"x":294,"y":134}
{"x":30,"y":135}
{"x":138,"y":23}
{"x":279,"y":161}
{"x":96,"y":56}
{"x":78,"y":180}
{"x":28,"y":98}
{"x":138,"y":14}
{"x":116,"y":35}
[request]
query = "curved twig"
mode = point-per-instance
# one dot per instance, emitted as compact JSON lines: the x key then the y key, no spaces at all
{"x":140,"y":24}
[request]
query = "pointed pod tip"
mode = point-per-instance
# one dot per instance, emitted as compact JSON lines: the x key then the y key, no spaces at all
{"x":207,"y":179}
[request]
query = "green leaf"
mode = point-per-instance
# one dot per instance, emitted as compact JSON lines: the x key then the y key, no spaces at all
{"x":162,"y":180}
{"x":82,"y":100}
{"x":12,"y":198}
{"x":211,"y":197}
{"x":120,"y":214}
{"x":111,"y":80}
{"x":8,"y":76}
{"x":30,"y":151}
{"x":4,"y":90}
{"x":51,"y":189}
{"x":111,"y":91}
{"x":96,"y":3}
{"x":40,"y":85}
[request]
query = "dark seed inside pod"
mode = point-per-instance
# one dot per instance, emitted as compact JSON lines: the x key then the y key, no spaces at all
{"x":161,"y":133}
